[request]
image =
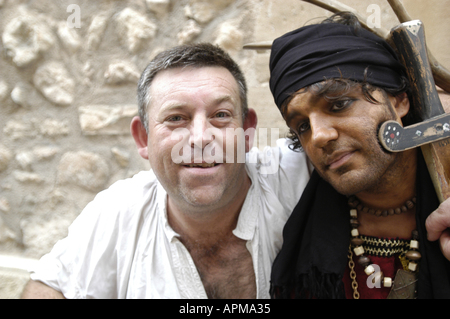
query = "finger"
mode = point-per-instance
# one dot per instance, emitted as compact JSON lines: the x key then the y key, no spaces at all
{"x":445,"y":243}
{"x":438,"y":221}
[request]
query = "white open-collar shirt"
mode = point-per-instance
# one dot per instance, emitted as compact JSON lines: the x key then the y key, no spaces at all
{"x":122,"y":246}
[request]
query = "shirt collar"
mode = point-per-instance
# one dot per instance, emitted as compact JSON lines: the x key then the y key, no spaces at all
{"x":162,"y":209}
{"x":246,"y":225}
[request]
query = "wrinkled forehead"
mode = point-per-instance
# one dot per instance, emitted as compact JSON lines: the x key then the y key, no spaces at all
{"x":194,"y":84}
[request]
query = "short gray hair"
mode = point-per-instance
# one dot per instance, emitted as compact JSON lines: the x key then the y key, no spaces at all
{"x":193,"y":55}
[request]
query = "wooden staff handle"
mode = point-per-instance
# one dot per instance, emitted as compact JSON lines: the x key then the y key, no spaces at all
{"x":409,"y":39}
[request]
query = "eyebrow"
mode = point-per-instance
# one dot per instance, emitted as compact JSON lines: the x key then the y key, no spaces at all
{"x":172,"y":107}
{"x":181,"y":105}
{"x":289,"y":113}
{"x":290,"y":116}
{"x":227,"y":98}
{"x":313,"y":99}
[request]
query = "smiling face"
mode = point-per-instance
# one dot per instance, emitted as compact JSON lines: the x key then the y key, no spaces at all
{"x":339,"y":135}
{"x":193,"y":100}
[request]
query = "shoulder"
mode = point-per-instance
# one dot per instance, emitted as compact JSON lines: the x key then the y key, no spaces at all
{"x":274,"y":161}
{"x":128,"y":192}
{"x":141,"y":182}
{"x":281,"y":172}
{"x":121,"y":205}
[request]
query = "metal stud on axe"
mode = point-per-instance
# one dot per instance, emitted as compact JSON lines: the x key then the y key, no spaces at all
{"x":433,"y":133}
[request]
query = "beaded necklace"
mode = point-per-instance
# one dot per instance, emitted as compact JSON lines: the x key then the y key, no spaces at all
{"x":404,"y":285}
{"x":409,"y":204}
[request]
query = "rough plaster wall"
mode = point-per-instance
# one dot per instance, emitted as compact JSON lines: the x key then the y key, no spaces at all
{"x":67,"y":94}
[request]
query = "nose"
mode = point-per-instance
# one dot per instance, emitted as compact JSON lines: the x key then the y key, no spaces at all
{"x":198,"y":138}
{"x":323,"y":130}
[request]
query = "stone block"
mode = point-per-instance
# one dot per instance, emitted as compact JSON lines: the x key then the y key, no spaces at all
{"x":106,"y":119}
{"x":122,"y":157}
{"x":134,"y":29}
{"x":13,"y":282}
{"x":5,"y":207}
{"x":54,"y":127}
{"x":84,"y":169}
{"x":5,"y":157}
{"x":68,"y":36}
{"x":53,"y":81}
{"x":6,"y":232}
{"x":159,"y":7}
{"x":21,"y":94}
{"x":14,"y":275}
{"x":190,"y":31}
{"x":27,"y":177}
{"x":4,"y":90}
{"x":34,"y":127}
{"x":96,"y":31}
{"x":230,"y":37}
{"x":121,"y":72}
{"x":26,"y":37}
{"x":204,"y":11}
{"x":268,"y":115}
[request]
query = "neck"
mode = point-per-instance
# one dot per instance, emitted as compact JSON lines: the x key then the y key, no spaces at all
{"x":397,"y":187}
{"x":205,"y":227}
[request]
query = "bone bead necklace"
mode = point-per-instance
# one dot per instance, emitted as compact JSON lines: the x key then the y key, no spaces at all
{"x":405,"y":288}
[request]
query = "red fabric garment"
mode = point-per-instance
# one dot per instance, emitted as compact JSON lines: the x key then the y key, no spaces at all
{"x":389,"y":267}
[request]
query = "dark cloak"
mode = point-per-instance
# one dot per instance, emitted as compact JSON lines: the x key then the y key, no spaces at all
{"x":313,"y":258}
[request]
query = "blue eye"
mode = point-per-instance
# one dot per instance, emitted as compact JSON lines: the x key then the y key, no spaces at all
{"x":221,"y":114}
{"x":175,"y":118}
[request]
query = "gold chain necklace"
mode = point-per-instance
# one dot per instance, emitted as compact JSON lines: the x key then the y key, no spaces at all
{"x":404,"y":285}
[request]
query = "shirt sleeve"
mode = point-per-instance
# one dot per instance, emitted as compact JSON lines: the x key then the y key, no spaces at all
{"x":84,"y":265}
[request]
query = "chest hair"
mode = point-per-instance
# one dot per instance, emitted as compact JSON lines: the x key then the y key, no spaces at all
{"x":225,"y":268}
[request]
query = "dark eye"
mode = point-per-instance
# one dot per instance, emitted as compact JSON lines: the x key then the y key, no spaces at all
{"x":341,"y":104}
{"x":303,"y":127}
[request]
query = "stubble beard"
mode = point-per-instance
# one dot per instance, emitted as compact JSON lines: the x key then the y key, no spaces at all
{"x":208,"y":199}
{"x":378,"y":169}
{"x":372,"y":179}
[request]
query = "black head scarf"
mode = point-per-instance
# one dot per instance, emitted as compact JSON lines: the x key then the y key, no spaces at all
{"x":314,"y":53}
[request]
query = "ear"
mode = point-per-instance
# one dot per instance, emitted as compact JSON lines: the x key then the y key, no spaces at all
{"x":140,"y":136}
{"x":250,"y":121}
{"x":402,"y":105}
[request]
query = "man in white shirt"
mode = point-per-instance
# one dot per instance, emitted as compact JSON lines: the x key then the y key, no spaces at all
{"x":205,"y":224}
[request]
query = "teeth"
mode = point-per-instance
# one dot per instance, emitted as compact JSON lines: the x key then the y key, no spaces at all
{"x":203,"y":165}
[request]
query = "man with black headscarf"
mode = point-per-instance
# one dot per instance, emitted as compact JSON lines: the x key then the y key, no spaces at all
{"x":359,"y":229}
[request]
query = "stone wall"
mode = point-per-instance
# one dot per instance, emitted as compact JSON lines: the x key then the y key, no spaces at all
{"x":68,"y":74}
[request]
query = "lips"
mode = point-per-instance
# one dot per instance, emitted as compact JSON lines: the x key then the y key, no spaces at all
{"x":201,"y":165}
{"x":338,"y":159}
